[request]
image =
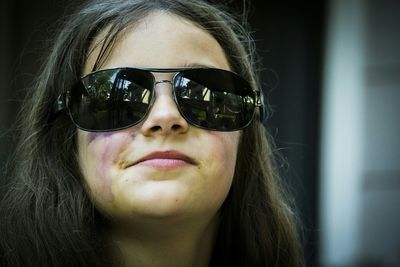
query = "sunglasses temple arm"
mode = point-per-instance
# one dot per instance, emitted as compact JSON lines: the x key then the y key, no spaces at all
{"x":261,"y":105}
{"x":58,"y":107}
{"x":59,"y":104}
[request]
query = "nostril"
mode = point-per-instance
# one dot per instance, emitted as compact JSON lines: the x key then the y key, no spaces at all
{"x":160,"y":129}
{"x":175,"y":127}
{"x":156,"y":128}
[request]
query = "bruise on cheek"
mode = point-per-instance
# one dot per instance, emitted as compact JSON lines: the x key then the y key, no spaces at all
{"x":103,"y":171}
{"x":93,"y":135}
{"x":106,"y":150}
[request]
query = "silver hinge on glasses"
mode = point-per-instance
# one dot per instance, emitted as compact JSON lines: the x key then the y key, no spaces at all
{"x":259,"y":100}
{"x":60,"y":103}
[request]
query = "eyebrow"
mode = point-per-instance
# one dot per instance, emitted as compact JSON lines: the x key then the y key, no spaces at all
{"x":197,"y":65}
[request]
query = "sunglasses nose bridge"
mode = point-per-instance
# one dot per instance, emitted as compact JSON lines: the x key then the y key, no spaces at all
{"x":164,"y":115}
{"x":163,"y":81}
{"x":172,"y":93}
{"x":166,"y":81}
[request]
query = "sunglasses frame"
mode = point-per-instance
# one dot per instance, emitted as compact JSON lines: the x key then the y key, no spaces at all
{"x":62,"y":100}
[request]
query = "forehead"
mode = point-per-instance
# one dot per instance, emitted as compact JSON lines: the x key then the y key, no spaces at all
{"x":161,"y":39}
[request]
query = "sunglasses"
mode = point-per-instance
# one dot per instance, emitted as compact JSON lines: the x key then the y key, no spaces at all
{"x":118,"y":98}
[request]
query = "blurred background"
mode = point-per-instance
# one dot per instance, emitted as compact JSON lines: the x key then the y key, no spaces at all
{"x":335,"y":117}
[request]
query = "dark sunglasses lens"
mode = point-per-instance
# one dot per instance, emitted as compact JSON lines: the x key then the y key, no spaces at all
{"x":215,"y":99}
{"x":111,"y":99}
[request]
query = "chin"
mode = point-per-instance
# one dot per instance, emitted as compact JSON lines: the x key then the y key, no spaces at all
{"x":157,"y":199}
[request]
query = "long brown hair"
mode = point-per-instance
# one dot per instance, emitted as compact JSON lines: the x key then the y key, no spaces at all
{"x":46,"y":216}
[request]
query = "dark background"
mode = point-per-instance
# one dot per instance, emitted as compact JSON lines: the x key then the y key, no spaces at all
{"x":289,"y":39}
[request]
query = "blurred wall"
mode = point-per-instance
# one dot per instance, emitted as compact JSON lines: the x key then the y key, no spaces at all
{"x":360,"y":148}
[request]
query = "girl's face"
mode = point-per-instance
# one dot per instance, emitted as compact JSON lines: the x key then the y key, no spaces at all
{"x":162,"y":167}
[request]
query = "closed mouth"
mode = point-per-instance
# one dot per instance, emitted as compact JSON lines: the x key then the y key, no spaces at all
{"x":165,"y":158}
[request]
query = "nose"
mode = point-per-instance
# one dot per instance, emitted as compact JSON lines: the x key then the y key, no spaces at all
{"x":164,"y":117}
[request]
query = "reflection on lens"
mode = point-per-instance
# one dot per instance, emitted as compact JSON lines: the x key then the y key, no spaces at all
{"x":214,"y":99}
{"x":111,"y":99}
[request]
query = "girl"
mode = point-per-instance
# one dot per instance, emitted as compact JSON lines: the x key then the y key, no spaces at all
{"x":142,"y":145}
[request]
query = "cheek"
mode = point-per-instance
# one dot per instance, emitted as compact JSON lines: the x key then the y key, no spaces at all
{"x":99,"y":157}
{"x":221,"y":163}
{"x":224,"y":146}
{"x":221,"y":158}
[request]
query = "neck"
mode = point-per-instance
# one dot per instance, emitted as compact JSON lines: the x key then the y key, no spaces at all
{"x":160,"y":244}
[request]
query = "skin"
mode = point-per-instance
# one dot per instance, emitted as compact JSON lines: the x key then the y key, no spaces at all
{"x":161,"y":216}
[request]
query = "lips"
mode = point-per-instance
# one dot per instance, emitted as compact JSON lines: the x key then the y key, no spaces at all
{"x":165,"y":159}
